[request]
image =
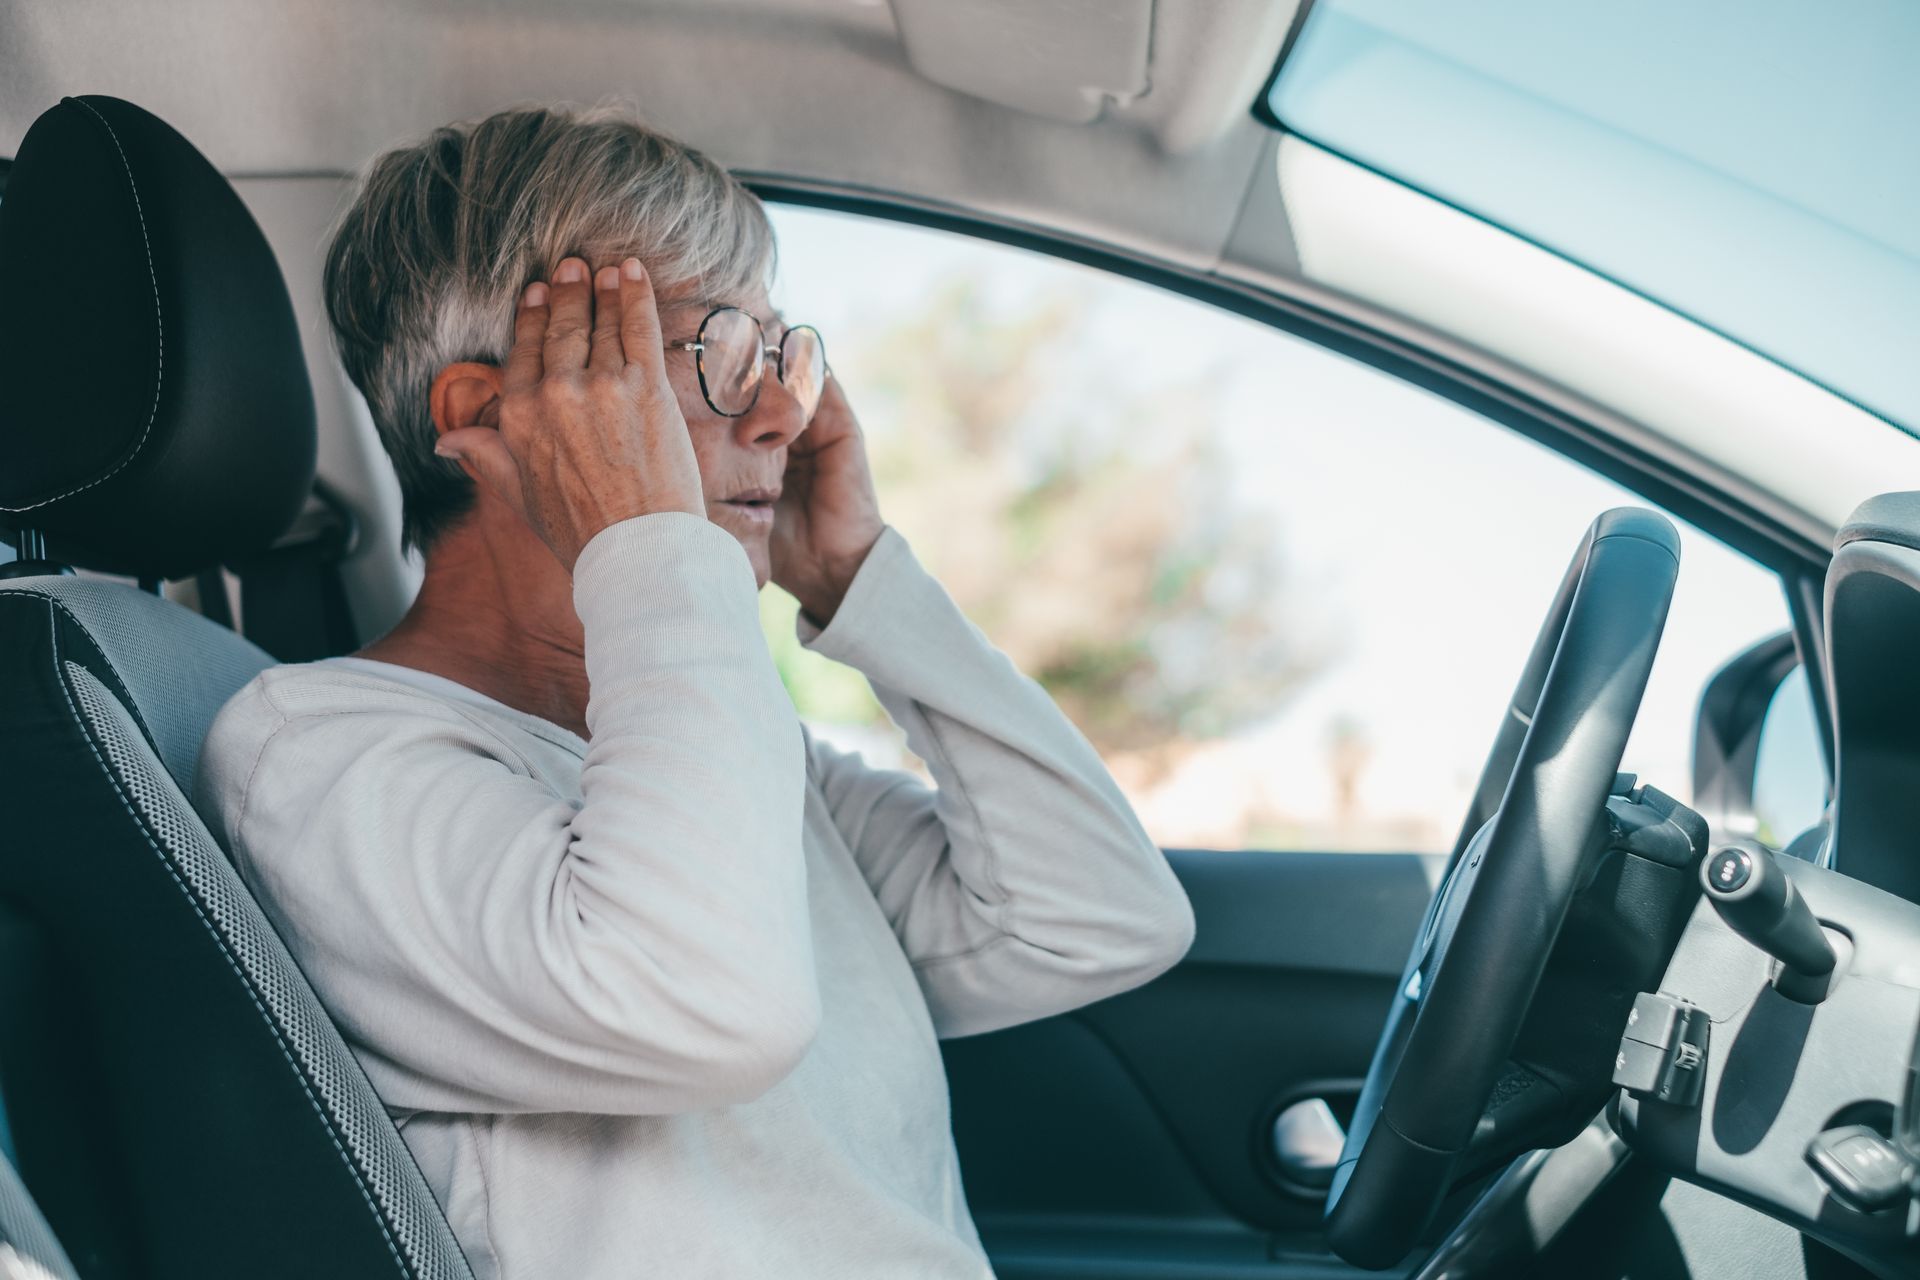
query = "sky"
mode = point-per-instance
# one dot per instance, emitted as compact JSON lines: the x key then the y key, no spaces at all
{"x":1430,"y":538}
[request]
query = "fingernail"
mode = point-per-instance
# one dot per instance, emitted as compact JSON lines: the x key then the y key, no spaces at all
{"x":607,"y":278}
{"x":535,"y":296}
{"x":632,"y":269}
{"x":572,"y":271}
{"x":441,"y":450}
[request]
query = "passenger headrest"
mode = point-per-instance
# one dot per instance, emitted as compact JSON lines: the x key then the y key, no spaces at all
{"x":155,"y":413}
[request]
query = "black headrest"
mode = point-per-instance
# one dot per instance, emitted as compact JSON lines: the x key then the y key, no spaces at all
{"x":155,"y":413}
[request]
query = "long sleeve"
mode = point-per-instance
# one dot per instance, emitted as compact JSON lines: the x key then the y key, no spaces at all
{"x":491,"y":946}
{"x":1021,"y":885}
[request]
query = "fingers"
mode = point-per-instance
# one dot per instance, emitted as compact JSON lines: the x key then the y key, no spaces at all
{"x":600,"y":323}
{"x":832,"y":420}
{"x":606,"y":355}
{"x":640,"y":319}
{"x":570,"y":318}
{"x":484,"y":454}
{"x":832,"y":398}
{"x":576,"y":450}
{"x":524,"y":363}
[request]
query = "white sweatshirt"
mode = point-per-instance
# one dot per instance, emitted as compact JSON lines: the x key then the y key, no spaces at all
{"x":664,"y":1003}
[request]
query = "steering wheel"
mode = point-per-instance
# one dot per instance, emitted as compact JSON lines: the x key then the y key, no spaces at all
{"x":1528,"y":845}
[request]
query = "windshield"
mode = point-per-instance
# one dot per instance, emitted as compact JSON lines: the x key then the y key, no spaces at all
{"x":1753,"y":164}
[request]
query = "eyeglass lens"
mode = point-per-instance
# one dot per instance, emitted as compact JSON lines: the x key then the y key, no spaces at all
{"x":803,"y":366}
{"x":733,"y":361}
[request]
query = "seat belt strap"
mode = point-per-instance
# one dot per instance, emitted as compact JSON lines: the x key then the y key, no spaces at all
{"x":293,"y":602}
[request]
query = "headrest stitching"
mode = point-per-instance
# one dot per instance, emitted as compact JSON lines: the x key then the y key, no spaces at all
{"x":160,"y":362}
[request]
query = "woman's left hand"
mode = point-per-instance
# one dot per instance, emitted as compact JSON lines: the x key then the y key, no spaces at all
{"x":827,"y":518}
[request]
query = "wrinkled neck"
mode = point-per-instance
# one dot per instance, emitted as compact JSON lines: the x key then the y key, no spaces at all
{"x":496,"y":614}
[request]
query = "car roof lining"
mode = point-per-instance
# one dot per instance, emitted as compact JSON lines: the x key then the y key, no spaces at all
{"x":811,"y":89}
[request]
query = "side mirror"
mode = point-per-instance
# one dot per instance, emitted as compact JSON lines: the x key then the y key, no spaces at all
{"x":1759,"y":767}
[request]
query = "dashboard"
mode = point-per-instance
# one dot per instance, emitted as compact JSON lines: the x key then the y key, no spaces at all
{"x":1776,"y":1064}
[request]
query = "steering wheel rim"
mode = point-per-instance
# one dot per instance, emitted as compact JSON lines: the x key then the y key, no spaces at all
{"x":1528,"y":840}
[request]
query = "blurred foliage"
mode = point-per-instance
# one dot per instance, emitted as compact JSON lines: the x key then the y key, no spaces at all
{"x":1081,"y":515}
{"x":822,"y":690}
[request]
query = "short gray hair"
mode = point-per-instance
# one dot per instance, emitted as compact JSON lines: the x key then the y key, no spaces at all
{"x":427,"y":263}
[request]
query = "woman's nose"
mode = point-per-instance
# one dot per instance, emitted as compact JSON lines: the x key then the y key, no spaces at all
{"x":775,"y":419}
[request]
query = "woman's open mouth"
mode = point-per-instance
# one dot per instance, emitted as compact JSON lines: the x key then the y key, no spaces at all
{"x":753,"y":505}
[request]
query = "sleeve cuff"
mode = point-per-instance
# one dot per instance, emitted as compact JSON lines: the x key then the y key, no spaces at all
{"x":670,"y":563}
{"x":897,"y":625}
{"x":871,"y":599}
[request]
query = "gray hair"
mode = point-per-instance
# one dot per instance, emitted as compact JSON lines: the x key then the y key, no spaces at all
{"x":426,"y":265}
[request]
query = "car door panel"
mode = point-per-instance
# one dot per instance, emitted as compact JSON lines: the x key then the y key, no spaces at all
{"x":1133,"y":1138}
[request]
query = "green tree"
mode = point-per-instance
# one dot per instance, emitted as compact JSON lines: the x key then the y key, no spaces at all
{"x":1083,"y":520}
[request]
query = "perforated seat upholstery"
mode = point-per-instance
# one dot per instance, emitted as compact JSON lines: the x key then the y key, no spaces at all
{"x":179,"y":1103}
{"x":28,"y":1248}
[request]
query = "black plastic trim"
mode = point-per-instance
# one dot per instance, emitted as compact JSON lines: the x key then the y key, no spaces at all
{"x":1778,"y":1072}
{"x":1873,"y":613}
{"x":1262,"y":108}
{"x":1729,"y":722}
{"x":1807,"y":605}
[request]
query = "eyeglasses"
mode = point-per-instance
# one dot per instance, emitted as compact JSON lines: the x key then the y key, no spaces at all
{"x":730,"y":352}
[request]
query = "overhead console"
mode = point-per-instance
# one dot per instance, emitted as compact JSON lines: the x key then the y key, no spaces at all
{"x":1777,"y":1062}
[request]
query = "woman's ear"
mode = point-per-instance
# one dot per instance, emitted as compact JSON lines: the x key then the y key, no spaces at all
{"x":465,"y":395}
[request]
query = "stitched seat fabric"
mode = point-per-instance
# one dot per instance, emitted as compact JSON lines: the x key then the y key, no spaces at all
{"x":180,"y":1103}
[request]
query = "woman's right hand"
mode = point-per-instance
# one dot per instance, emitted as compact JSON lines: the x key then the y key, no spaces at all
{"x":589,"y":431}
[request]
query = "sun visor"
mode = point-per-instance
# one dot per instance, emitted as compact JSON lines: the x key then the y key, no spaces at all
{"x":1063,"y":59}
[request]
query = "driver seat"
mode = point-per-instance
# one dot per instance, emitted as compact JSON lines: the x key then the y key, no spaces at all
{"x":175,"y":1098}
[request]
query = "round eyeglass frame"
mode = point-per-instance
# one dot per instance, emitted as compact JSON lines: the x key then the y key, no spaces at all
{"x":699,"y":348}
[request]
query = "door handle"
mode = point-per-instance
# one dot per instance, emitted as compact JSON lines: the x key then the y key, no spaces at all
{"x":1307,"y":1141}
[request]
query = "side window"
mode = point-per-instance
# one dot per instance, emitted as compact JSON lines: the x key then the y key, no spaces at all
{"x":1285,"y":595}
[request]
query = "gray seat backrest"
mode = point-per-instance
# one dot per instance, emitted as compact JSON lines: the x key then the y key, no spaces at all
{"x":180,"y":1103}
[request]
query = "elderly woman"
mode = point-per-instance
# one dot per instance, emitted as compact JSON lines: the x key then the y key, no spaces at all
{"x":652,"y":981}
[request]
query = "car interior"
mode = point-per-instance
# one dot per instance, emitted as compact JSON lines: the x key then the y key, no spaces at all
{"x":1611,"y":1032}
